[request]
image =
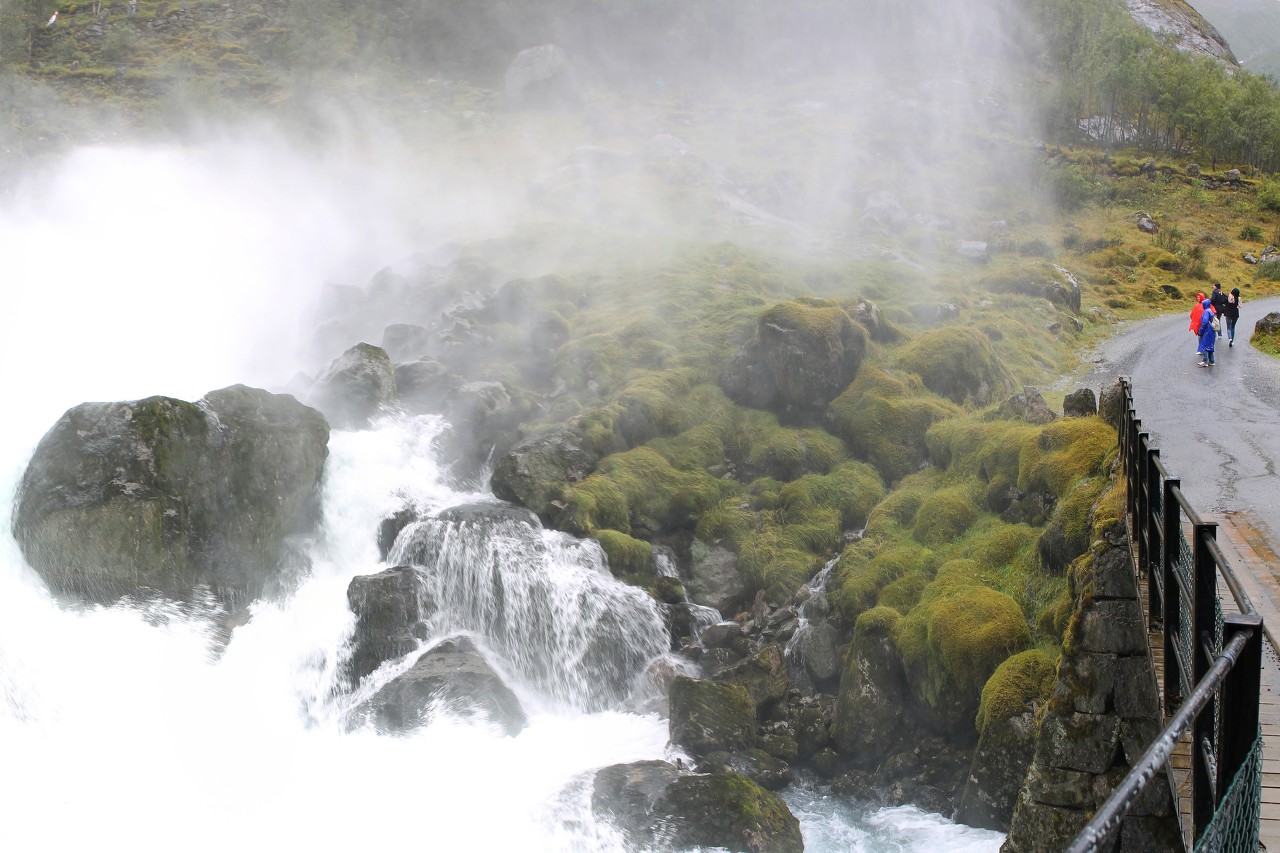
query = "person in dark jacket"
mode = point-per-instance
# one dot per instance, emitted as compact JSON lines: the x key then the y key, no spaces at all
{"x":1231,"y":313}
{"x":1207,"y":335}
{"x":1218,"y":299}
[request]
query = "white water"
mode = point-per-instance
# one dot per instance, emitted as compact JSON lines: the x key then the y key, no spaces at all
{"x":128,"y":273}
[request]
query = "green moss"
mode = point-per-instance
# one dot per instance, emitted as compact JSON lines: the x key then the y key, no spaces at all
{"x":639,"y":488}
{"x":789,"y":453}
{"x":883,"y":419}
{"x":904,"y":593}
{"x":1024,"y":678}
{"x":959,"y":363}
{"x":627,"y":556}
{"x":900,"y":506}
{"x":1066,"y":451}
{"x":852,"y":490}
{"x":862,"y":573}
{"x":980,"y":447}
{"x":945,"y":514}
{"x":955,"y":638}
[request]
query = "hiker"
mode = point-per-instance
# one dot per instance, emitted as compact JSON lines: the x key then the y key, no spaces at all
{"x":1207,"y":334}
{"x":1231,"y":313}
{"x":1196,"y":311}
{"x":1218,"y":299}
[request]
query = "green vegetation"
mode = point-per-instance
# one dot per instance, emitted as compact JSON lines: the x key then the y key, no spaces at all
{"x":1024,"y":678}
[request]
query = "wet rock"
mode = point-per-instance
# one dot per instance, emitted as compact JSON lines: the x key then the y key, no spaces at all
{"x":659,"y":809}
{"x":533,"y":472}
{"x":452,"y":677}
{"x":715,"y":581}
{"x":757,"y":765}
{"x":709,"y":716}
{"x":162,"y":496}
{"x":730,"y":811}
{"x":391,"y":609}
{"x":996,"y":775}
{"x":1080,"y":403}
{"x":1029,"y":406}
{"x":356,"y":386}
{"x":803,"y":355}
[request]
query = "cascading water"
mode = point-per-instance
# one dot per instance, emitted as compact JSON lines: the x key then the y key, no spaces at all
{"x":142,"y":724}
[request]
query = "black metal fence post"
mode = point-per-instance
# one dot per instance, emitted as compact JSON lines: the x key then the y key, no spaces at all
{"x":1204,"y":628}
{"x":1241,"y":693}
{"x":1151,"y":534}
{"x":1172,"y":597}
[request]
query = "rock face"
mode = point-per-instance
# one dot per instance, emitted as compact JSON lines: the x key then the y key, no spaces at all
{"x":531,"y":473}
{"x":1189,"y":30}
{"x":804,"y":354}
{"x":452,"y":676}
{"x":165,"y":496}
{"x":356,"y":386}
{"x":391,"y":609}
{"x":1103,"y":714}
{"x":709,"y":716}
{"x":660,"y":809}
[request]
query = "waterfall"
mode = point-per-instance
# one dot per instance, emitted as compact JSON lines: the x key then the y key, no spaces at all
{"x":544,"y":602}
{"x":144,"y":724}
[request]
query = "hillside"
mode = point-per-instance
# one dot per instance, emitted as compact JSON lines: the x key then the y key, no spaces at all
{"x":1253,"y":29}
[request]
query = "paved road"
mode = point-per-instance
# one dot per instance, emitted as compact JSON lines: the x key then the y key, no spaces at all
{"x":1218,"y":428}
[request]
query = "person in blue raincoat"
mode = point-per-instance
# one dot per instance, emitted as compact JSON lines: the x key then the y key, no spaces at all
{"x":1207,"y":335}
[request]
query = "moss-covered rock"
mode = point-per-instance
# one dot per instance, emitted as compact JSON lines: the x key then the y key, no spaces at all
{"x":959,"y":363}
{"x":1008,"y":723}
{"x":954,"y":639}
{"x":945,"y":515}
{"x":883,"y":419}
{"x":730,"y":811}
{"x":804,"y":353}
{"x":534,"y":472}
{"x":869,"y":720}
{"x":165,"y":496}
{"x":711,"y":716}
{"x":628,"y":557}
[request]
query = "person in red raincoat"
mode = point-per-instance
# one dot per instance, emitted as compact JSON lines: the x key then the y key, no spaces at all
{"x":1196,"y":311}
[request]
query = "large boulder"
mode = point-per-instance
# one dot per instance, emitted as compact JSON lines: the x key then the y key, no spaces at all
{"x":710,"y":716}
{"x":355,"y":387}
{"x":452,"y":677}
{"x":533,"y":472}
{"x":869,"y":717}
{"x":171,"y":497}
{"x":803,"y":355}
{"x":484,"y":417}
{"x":1007,"y":721}
{"x":658,"y":808}
{"x":716,"y":581}
{"x":391,"y":609}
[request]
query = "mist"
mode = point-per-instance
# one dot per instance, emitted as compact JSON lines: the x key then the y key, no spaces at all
{"x":219,"y":249}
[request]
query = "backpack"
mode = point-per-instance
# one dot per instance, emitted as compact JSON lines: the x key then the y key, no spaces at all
{"x":1216,"y":325}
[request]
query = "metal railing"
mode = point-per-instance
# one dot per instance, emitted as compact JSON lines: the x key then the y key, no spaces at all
{"x":1212,"y":661}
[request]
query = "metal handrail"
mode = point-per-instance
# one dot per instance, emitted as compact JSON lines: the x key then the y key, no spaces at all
{"x":1221,"y":747}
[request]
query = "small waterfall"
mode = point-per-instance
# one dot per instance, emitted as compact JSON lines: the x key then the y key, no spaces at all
{"x":701,"y":617}
{"x":541,"y":600}
{"x":810,"y":652}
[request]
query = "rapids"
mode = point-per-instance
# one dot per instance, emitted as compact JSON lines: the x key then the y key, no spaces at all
{"x":136,"y":725}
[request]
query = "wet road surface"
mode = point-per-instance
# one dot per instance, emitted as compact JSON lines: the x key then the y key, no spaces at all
{"x":1218,"y":428}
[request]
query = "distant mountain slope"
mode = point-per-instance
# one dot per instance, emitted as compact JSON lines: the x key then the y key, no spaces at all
{"x":1193,"y":32}
{"x":1252,"y":27}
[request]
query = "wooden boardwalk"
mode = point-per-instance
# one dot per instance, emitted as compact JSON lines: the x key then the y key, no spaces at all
{"x":1248,"y":548}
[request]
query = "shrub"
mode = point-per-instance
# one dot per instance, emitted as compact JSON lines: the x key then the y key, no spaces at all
{"x":1269,"y":195}
{"x":1251,"y":232}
